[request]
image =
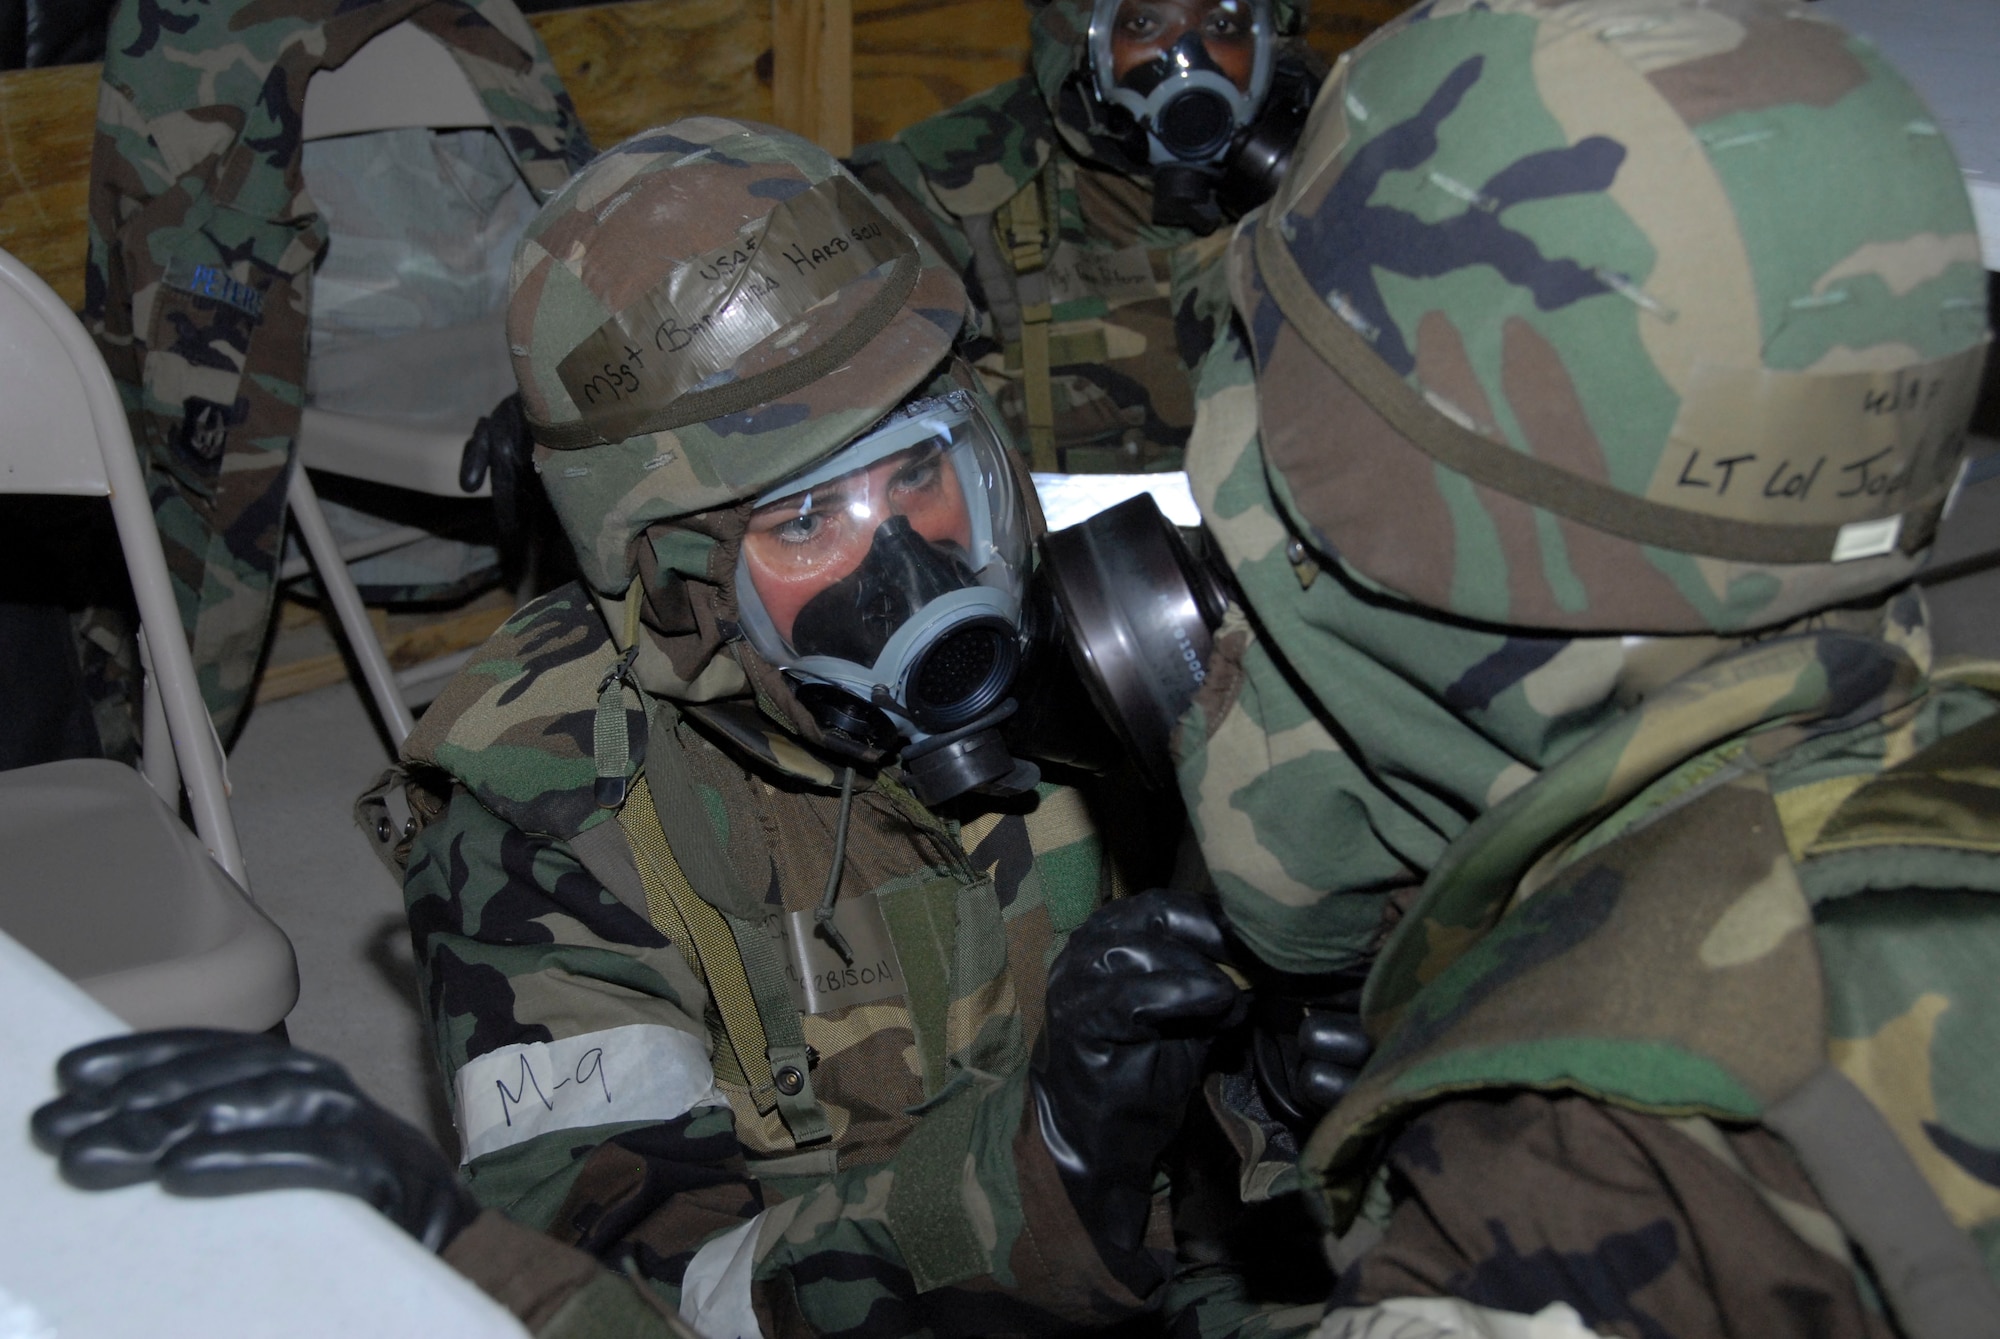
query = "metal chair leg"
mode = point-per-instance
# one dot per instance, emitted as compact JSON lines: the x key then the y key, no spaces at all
{"x":339,"y":588}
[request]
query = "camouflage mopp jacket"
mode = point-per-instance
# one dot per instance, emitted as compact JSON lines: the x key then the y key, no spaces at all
{"x":650,"y":1051}
{"x":1690,"y":1024}
{"x":1040,"y":237}
{"x":1762,"y":906}
{"x":203,"y":242}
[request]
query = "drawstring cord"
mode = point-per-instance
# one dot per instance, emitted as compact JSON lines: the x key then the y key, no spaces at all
{"x":823,"y":914}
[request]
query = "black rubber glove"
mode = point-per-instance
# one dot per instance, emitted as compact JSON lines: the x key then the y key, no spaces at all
{"x":221,"y":1113}
{"x":1134,"y":999}
{"x":1308,"y":1057}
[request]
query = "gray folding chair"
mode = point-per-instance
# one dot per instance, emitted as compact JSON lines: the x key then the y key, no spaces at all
{"x":402,"y":78}
{"x":98,"y":876}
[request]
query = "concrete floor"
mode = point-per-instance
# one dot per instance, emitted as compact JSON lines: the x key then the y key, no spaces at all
{"x":294,"y":774}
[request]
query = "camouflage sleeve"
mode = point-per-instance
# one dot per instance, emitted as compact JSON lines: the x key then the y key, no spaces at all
{"x":568,"y":1031}
{"x":554,"y":1008}
{"x":967,"y":1230}
{"x":1643,"y":1226}
{"x":891,"y":173}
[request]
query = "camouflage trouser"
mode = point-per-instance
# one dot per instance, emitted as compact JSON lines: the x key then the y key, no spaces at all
{"x":1650,"y":1228}
{"x":108,"y":654}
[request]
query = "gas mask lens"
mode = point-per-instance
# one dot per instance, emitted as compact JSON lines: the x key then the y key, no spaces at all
{"x":1191,"y":73}
{"x":887,"y":582}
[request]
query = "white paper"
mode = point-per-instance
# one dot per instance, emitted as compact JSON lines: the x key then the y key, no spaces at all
{"x":642,"y":1071}
{"x":715,"y":1291}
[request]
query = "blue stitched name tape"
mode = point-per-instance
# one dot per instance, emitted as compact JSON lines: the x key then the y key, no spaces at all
{"x":212,"y":281}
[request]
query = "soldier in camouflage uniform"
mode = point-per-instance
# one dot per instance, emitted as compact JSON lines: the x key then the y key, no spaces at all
{"x":721,"y":1003}
{"x":1091,"y":313}
{"x":202,"y":246}
{"x":1612,"y":361}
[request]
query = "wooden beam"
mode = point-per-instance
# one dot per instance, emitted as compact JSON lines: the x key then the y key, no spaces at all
{"x":48,"y":118}
{"x":642,"y":63}
{"x":812,"y":70}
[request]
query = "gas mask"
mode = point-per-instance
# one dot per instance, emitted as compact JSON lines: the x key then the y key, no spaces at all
{"x":888,"y":583}
{"x":1195,"y":90}
{"x":892,"y":585}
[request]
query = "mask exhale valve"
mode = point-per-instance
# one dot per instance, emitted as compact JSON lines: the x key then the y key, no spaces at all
{"x":974,"y":757}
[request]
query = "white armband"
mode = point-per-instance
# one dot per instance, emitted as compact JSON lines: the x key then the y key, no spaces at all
{"x":639,"y":1072}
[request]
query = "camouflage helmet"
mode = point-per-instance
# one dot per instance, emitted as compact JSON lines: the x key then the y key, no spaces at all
{"x":1616,"y":315}
{"x":704,"y":310}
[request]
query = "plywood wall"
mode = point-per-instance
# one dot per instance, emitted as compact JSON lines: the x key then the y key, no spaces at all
{"x":46,"y":125}
{"x":628,"y":66}
{"x":915,"y":57}
{"x":634,"y":65}
{"x":1337,"y":25}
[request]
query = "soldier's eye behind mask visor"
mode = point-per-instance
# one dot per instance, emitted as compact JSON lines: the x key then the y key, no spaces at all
{"x":1191,"y":74}
{"x":1144,"y":31}
{"x":894,"y":570}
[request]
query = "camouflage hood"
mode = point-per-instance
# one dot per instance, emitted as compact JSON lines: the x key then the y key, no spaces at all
{"x":1345,"y":739}
{"x":1643,"y":316}
{"x":1415,"y":656}
{"x":1059,"y":59}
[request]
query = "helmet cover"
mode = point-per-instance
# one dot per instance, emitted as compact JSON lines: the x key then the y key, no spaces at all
{"x":705,"y":309}
{"x":1616,"y":315}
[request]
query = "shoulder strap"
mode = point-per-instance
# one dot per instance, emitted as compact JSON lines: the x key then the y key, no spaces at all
{"x":700,"y":933}
{"x":1026,"y":228}
{"x":707,"y":890}
{"x":1936,"y":1283}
